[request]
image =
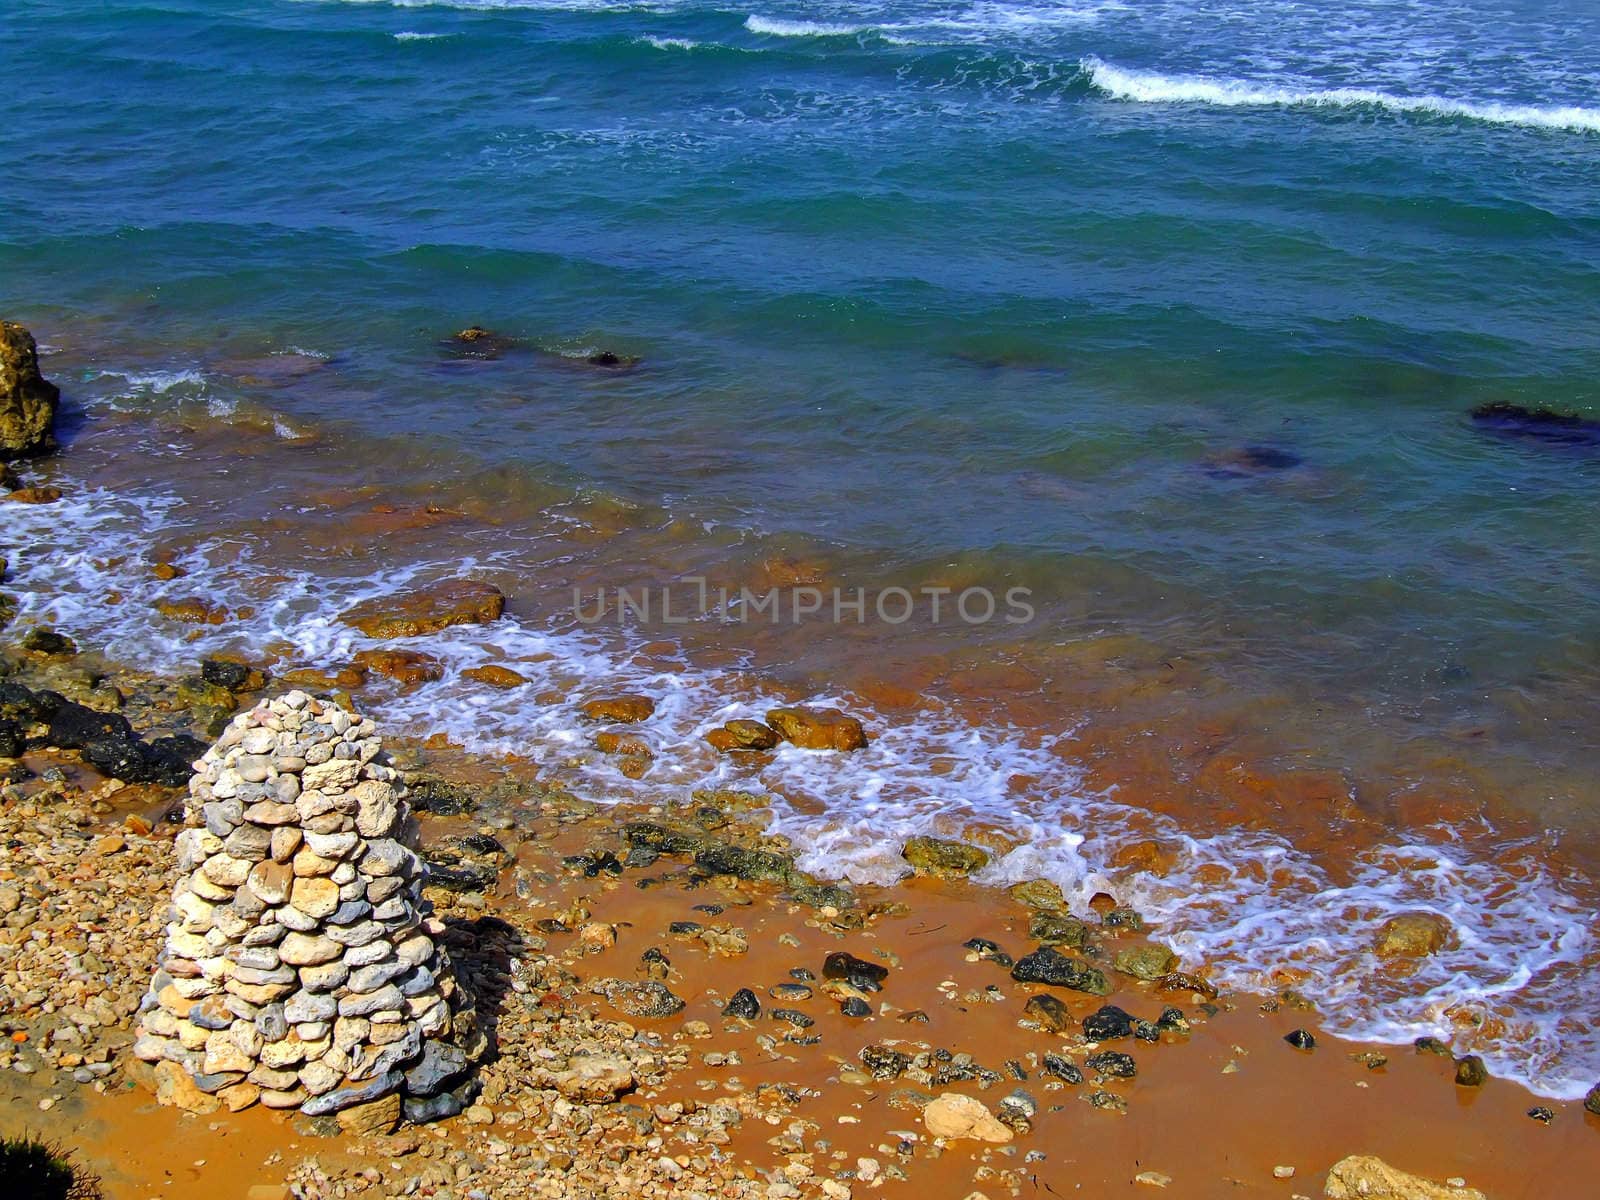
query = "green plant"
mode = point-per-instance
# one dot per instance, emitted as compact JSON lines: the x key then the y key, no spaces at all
{"x":31,"y":1169}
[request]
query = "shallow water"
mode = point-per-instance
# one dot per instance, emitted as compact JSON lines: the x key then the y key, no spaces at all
{"x":1172,"y":313}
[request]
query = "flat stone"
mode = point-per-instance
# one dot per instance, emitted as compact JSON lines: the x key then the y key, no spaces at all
{"x":316,"y":897}
{"x":374,"y":1117}
{"x":305,"y":950}
{"x":386,"y":997}
{"x":271,"y":881}
{"x":342,"y":1098}
{"x":310,"y":1006}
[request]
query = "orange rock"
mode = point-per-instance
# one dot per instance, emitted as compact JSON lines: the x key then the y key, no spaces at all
{"x":166,"y":571}
{"x":625,"y":709}
{"x":494,"y":676}
{"x":1148,"y":855}
{"x":35,"y":495}
{"x":742,"y":735}
{"x":612,"y":742}
{"x":428,"y":610}
{"x":792,"y":572}
{"x":194,"y":611}
{"x":1413,"y":935}
{"x":817,"y":728}
{"x":406,"y":666}
{"x":309,"y":677}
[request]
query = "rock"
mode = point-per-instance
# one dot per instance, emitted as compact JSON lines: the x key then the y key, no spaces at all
{"x":885,"y":1062}
{"x":495,"y":676}
{"x":408,"y":667}
{"x":1412,"y":935}
{"x":1592,"y":1101}
{"x":1541,"y":426}
{"x":817,"y":728}
{"x":1046,"y":965}
{"x":176,"y":1089}
{"x":935,"y":856}
{"x":427,"y":609}
{"x":376,"y":1116}
{"x":594,"y":1078}
{"x":1058,"y":929}
{"x":1362,"y":1177}
{"x":43,"y":640}
{"x":1041,"y":894}
{"x":1145,"y":962}
{"x":1112,"y":1063}
{"x":1470,"y":1071}
{"x":1107,"y":1023}
{"x":953,"y":1115}
{"x":1062,"y":1068}
{"x":347,"y":1097}
{"x":441,"y":1067}
{"x":743,"y":734}
{"x":1049,"y":1012}
{"x":743,"y":1004}
{"x":857,"y":972}
{"x":647,"y":998}
{"x":745,"y":863}
{"x":623,"y":709}
{"x":27,"y":400}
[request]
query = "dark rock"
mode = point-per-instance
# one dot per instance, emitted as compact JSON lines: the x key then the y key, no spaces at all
{"x":28,"y":401}
{"x":43,"y":640}
{"x":119,"y":759}
{"x":74,"y":726}
{"x":1049,"y":1012}
{"x":1046,"y":965}
{"x":1110,"y":1101}
{"x":440,"y":798}
{"x":463,"y":878}
{"x":1543,"y":426}
{"x":745,"y":864}
{"x":171,"y":759}
{"x":649,"y":998}
{"x":1107,"y":1023}
{"x":1113,"y":1063}
{"x":884,"y":1062}
{"x":1123,"y":918}
{"x":803,"y":974}
{"x":1300,"y":1040}
{"x":858,"y":973}
{"x":1245,"y":462}
{"x":11,"y":740}
{"x":426,"y":1110}
{"x":794,"y":1016}
{"x":1470,"y":1071}
{"x":1542,"y":1114}
{"x":440,"y":1068}
{"x":1146,"y":1031}
{"x":602,"y":862}
{"x":1183,"y":981}
{"x":1592,"y":1101}
{"x":19,"y":704}
{"x":659,"y":837}
{"x":1432,"y":1045}
{"x":1062,"y":1068}
{"x":855,"y":1006}
{"x":1173,"y":1019}
{"x":220,"y":672}
{"x":936,"y":856}
{"x":743,"y":1003}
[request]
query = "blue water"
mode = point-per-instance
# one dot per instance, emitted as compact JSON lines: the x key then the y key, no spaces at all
{"x":1173,"y":310}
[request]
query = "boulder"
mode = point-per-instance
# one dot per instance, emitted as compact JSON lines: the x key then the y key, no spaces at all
{"x":742,"y":734}
{"x":427,"y":609}
{"x":624,"y":709}
{"x":1046,"y":965}
{"x":27,"y":400}
{"x":1362,"y":1177}
{"x":953,"y":1115}
{"x":495,"y":676}
{"x":817,"y":728}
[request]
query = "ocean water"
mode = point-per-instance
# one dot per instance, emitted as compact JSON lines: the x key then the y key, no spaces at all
{"x":1171,"y":312}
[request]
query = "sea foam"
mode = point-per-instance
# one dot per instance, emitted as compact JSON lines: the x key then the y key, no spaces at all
{"x":1154,"y":87}
{"x":778,"y":27}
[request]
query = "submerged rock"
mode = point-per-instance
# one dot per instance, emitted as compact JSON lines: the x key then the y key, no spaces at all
{"x":428,"y":609}
{"x":1362,"y":1177}
{"x":936,"y":856}
{"x":28,"y":401}
{"x":1540,"y":425}
{"x":817,"y":728}
{"x":1245,"y":462}
{"x":624,"y":709}
{"x":1412,"y":935}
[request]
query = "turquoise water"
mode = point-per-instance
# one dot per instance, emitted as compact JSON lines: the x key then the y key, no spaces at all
{"x":1173,"y":311}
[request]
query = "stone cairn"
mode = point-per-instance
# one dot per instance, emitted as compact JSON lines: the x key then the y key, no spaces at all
{"x":301,"y":967}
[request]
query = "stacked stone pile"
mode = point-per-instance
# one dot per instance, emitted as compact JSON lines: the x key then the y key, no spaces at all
{"x":300,"y":968}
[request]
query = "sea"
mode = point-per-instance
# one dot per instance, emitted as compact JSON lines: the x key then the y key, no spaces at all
{"x":1161,"y":323}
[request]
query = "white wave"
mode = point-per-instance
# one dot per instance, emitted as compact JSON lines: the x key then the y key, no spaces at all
{"x":668,"y":43}
{"x":1153,"y":87}
{"x":407,"y":35}
{"x":778,"y":27}
{"x":159,"y":382}
{"x":1241,"y":903}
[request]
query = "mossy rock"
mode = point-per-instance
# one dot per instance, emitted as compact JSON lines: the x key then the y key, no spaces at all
{"x":1146,"y":962}
{"x":936,"y":856}
{"x":745,"y":863}
{"x":1058,"y":929}
{"x":1040,"y":894}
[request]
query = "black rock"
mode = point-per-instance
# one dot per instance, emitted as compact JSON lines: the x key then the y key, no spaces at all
{"x":440,"y":1068}
{"x":1123,"y":918}
{"x":794,"y":1016}
{"x":857,"y":972}
{"x":1113,"y":1063}
{"x":982,"y":945}
{"x":17,"y":703}
{"x":1470,"y":1071}
{"x":744,"y":863}
{"x":1107,"y":1023}
{"x":11,"y":739}
{"x":75,"y":726}
{"x":1432,"y":1045}
{"x":1062,"y":1068}
{"x":803,"y":974}
{"x":171,"y":759}
{"x":1300,"y":1040}
{"x":1058,"y":929}
{"x":1540,"y":425}
{"x":223,"y":674}
{"x":1173,"y":1019}
{"x":1542,"y":1114}
{"x":461,"y":878}
{"x":742,"y":1003}
{"x":440,"y":798}
{"x":855,"y":1006}
{"x":884,"y":1062}
{"x":603,"y":862}
{"x":685,"y":928}
{"x":1046,"y":965}
{"x":119,"y":758}
{"x":1146,"y":1031}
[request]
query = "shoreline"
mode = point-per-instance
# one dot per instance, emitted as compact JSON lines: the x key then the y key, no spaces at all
{"x":1163,"y":1123}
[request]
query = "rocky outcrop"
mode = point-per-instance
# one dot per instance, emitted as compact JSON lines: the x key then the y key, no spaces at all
{"x":1362,"y":1177}
{"x":27,"y":400}
{"x":428,"y":609}
{"x":301,"y":969}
